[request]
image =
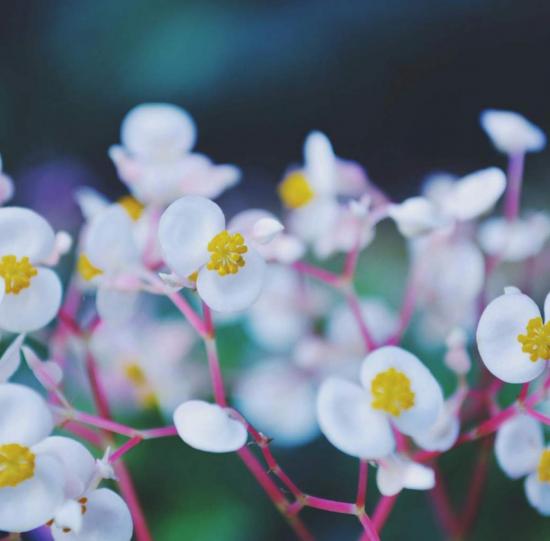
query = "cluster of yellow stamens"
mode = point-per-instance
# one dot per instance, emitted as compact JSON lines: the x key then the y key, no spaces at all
{"x":543,"y":469}
{"x":295,"y":190}
{"x":86,"y":268}
{"x":227,"y":253}
{"x":17,"y":273}
{"x":391,"y":392}
{"x":16,"y":464}
{"x":137,"y":377}
{"x":132,"y":206}
{"x":536,"y":341}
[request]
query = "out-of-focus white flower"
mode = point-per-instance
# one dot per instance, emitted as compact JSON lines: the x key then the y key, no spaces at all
{"x":31,"y":479}
{"x":311,"y":195}
{"x":209,"y":427}
{"x":146,"y":363}
{"x":194,"y":239}
{"x":396,"y":389}
{"x":449,"y":202}
{"x":30,"y":294}
{"x":512,"y":337}
{"x":155,"y":159}
{"x":457,"y":357}
{"x":512,"y":133}
{"x":48,"y":373}
{"x":6,"y":186}
{"x":520,"y":451}
{"x":396,"y":473}
{"x":515,"y":240}
{"x":11,"y":359}
{"x":279,"y":400}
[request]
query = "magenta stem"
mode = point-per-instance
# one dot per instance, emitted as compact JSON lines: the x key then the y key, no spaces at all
{"x":443,"y":506}
{"x":162,"y":432}
{"x":407,"y":308}
{"x":382,"y":511}
{"x":370,"y":533}
{"x":515,"y":181}
{"x":123,"y":449}
{"x":355,"y":308}
{"x":185,"y":308}
{"x":215,"y":371}
{"x":321,"y":274}
{"x":334,"y":506}
{"x":537,"y":415}
{"x":362,"y":484}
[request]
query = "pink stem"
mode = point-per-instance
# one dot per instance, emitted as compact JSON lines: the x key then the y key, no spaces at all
{"x":334,"y":506}
{"x":162,"y":432}
{"x":407,"y":308}
{"x":83,"y":432}
{"x":537,"y":415}
{"x":382,"y":511}
{"x":321,"y":274}
{"x":515,"y":180}
{"x":370,"y":533}
{"x":215,"y":371}
{"x":185,"y":308}
{"x":443,"y":506}
{"x":355,"y":308}
{"x":103,"y":423}
{"x":362,"y":484}
{"x":123,"y":449}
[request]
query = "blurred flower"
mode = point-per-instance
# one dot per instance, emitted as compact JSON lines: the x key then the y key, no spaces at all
{"x":512,"y":338}
{"x":155,"y":160}
{"x":396,"y":473}
{"x":6,"y":186}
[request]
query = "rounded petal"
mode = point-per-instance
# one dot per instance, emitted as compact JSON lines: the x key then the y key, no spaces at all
{"x":396,"y":473}
{"x":109,"y":242}
{"x":106,"y":518}
{"x":415,"y":216}
{"x":33,"y":502}
{"x":233,"y":292}
{"x":314,"y":220}
{"x":502,"y":321}
{"x":25,"y":233}
{"x":7,"y":188}
{"x":77,"y":462}
{"x":538,"y":494}
{"x":9,"y":363}
{"x":349,"y":423}
{"x":547,"y":308}
{"x":511,"y":133}
{"x":209,"y":427}
{"x":428,"y":397}
{"x":34,"y":307}
{"x":155,"y":130}
{"x":26,"y":418}
{"x":475,"y":194}
{"x":518,"y":445}
{"x":320,"y":162}
{"x":442,"y":435}
{"x":185,"y":229}
{"x":279,"y":401}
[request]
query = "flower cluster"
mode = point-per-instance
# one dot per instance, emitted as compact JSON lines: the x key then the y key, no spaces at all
{"x":329,"y":361}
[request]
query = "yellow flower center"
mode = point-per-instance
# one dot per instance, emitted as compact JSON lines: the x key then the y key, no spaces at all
{"x":132,"y":206}
{"x":86,"y":268}
{"x":16,"y":464}
{"x":227,"y":253}
{"x":543,"y":469}
{"x":391,"y":392}
{"x":17,"y":273}
{"x":536,"y":341}
{"x":136,"y":375}
{"x":295,"y":191}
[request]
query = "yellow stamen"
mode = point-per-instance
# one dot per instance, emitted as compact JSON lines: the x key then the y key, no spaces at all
{"x":227,"y":253}
{"x":17,"y":274}
{"x":295,"y":191}
{"x":543,"y":469}
{"x":132,"y":206}
{"x":86,"y":268}
{"x":16,"y":464}
{"x":135,"y":374}
{"x":536,"y":341}
{"x":193,"y":277}
{"x":391,"y":392}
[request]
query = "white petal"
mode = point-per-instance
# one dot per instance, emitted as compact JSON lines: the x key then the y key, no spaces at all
{"x":208,"y":427}
{"x":418,"y":477}
{"x":266,"y":229}
{"x":33,"y":502}
{"x":349,"y":423}
{"x":320,"y":162}
{"x":396,"y":473}
{"x":90,"y":201}
{"x":158,"y":129}
{"x":315,"y":219}
{"x":109,"y":242}
{"x":26,"y":418}
{"x":279,"y":401}
{"x":25,"y":233}
{"x":428,"y":397}
{"x":116,"y":306}
{"x":504,"y":319}
{"x":442,"y":434}
{"x":9,"y":363}
{"x":547,"y":308}
{"x":49,"y":373}
{"x":415,"y":216}
{"x":7,"y":188}
{"x":107,"y":518}
{"x":518,"y":445}
{"x":34,"y":307}
{"x":475,"y":194}
{"x":69,"y":516}
{"x":78,"y":463}
{"x":512,"y":133}
{"x":233,"y":292}
{"x":389,"y":477}
{"x":538,"y":494}
{"x":185,"y":229}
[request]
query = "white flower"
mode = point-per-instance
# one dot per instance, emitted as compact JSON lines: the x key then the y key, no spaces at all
{"x":155,"y":160}
{"x":31,"y":480}
{"x":279,"y":400}
{"x":209,"y":427}
{"x":31,"y":293}
{"x":396,"y":473}
{"x":396,"y":389}
{"x":512,"y":133}
{"x":11,"y":359}
{"x":6,"y":186}
{"x":447,"y":202}
{"x":194,"y":239}
{"x":512,"y":338}
{"x":515,"y":240}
